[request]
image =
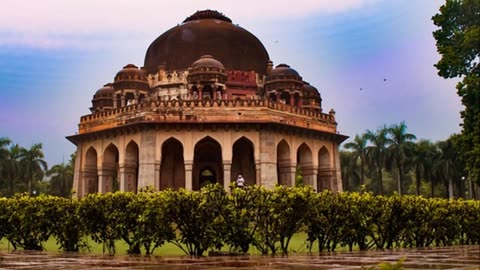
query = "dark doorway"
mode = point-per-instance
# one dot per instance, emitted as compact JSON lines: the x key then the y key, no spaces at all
{"x":207,"y":176}
{"x":207,"y":155}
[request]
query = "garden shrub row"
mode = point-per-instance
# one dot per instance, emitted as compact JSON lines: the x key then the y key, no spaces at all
{"x":198,"y":221}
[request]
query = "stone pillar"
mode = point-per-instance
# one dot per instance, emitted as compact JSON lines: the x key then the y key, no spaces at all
{"x":157,"y":175}
{"x":188,"y":174}
{"x":227,"y":172}
{"x":291,"y":175}
{"x":258,"y":172}
{"x":268,"y":164}
{"x":122,"y":100}
{"x":135,"y":97}
{"x":115,"y":102}
{"x":128,"y":177}
{"x":105,"y":179}
{"x":146,"y":175}
{"x":78,"y":176}
{"x":337,"y":172}
{"x":123,"y":177}
{"x":292,"y":100}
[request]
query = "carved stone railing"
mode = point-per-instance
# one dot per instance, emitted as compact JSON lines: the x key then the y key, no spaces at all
{"x":156,"y":105}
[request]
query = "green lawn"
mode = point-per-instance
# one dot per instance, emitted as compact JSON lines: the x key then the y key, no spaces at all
{"x":298,"y":244}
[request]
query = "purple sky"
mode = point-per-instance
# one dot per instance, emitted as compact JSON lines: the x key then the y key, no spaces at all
{"x":54,"y":55}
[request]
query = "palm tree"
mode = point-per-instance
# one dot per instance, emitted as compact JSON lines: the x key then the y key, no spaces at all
{"x":400,"y":150}
{"x":61,"y":179}
{"x":449,"y":164}
{"x":349,"y":172}
{"x":376,"y":153}
{"x":32,"y":161}
{"x":12,"y":167}
{"x":4,"y":142}
{"x":359,"y":151}
{"x":423,"y":160}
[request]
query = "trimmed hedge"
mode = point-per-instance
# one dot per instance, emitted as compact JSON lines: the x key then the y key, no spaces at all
{"x":198,"y":221}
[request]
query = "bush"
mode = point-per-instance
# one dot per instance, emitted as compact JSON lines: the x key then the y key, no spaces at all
{"x":197,"y":221}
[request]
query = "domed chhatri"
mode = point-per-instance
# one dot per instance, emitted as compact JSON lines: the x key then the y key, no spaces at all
{"x":207,"y":107}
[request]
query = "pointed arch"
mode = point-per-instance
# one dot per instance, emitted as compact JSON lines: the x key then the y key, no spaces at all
{"x":172,"y":166}
{"x":207,"y":156}
{"x":110,"y":169}
{"x":284,"y":164}
{"x":130,"y":171}
{"x":305,"y":164}
{"x":90,"y":172}
{"x":324,"y":170}
{"x":243,"y":161}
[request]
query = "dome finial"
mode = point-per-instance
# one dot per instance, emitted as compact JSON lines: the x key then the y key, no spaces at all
{"x":207,"y":14}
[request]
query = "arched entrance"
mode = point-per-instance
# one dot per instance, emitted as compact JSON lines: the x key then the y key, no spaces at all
{"x":207,"y":156}
{"x":90,"y":172}
{"x":243,"y":161}
{"x":324,"y":171}
{"x":172,"y":168}
{"x":130,"y":170}
{"x":284,"y":166}
{"x":109,"y":181}
{"x":304,"y":161}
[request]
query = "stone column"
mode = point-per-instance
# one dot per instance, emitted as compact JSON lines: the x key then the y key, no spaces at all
{"x":292,"y":100}
{"x":105,"y":180}
{"x":258,"y":172}
{"x":291,"y":175}
{"x":128,"y":177}
{"x":146,"y":175}
{"x":268,"y":164}
{"x":123,"y":177}
{"x":337,"y":172}
{"x":122,"y":100}
{"x":188,"y":174}
{"x":78,"y":176}
{"x":115,"y":102}
{"x":227,"y":167}
{"x":157,"y":175}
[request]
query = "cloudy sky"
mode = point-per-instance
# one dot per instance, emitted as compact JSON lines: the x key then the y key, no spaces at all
{"x":372,"y":60}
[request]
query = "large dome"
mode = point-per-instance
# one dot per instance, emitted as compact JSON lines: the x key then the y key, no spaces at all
{"x":207,"y":33}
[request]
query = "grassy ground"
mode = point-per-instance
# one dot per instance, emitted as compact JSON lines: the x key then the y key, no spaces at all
{"x":298,"y":244}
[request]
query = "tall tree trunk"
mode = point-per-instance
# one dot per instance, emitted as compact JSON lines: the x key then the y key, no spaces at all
{"x":380,"y":180}
{"x":400,"y":180}
{"x":432,"y":187}
{"x":417,"y":182}
{"x":362,"y":180}
{"x":450,"y":188}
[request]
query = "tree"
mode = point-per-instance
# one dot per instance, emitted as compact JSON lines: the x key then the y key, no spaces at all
{"x":4,"y":153}
{"x":450,"y":167}
{"x":376,"y":152}
{"x":61,"y":179}
{"x":350,"y":175}
{"x":12,"y":167}
{"x":359,"y":151}
{"x":458,"y":39}
{"x":423,"y":161}
{"x":33,"y":163}
{"x":400,"y":149}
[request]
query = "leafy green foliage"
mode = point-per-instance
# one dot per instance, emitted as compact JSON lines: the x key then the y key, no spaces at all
{"x":458,"y":39}
{"x":198,"y":221}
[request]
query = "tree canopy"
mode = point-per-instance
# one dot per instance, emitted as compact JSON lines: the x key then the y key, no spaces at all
{"x":458,"y":42}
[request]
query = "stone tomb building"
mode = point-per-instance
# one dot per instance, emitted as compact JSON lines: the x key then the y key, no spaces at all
{"x":207,"y":106}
